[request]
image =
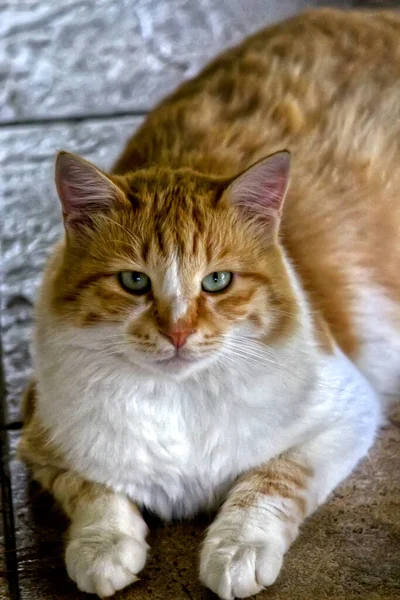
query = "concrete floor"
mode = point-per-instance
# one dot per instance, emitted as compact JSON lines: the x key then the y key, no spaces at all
{"x":81,"y":75}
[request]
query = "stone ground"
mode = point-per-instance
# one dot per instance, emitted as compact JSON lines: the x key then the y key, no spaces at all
{"x":81,"y":75}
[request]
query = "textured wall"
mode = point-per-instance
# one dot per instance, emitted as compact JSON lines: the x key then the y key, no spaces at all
{"x":85,"y":57}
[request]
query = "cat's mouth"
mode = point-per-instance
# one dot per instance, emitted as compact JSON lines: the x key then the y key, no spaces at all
{"x":180,"y":363}
{"x":176,"y":359}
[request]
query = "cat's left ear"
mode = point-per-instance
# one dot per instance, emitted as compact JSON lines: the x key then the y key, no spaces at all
{"x":83,"y":189}
{"x":259,"y":192}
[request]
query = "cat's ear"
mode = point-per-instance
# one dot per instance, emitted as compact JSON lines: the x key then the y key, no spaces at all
{"x":259,"y":191}
{"x":83,"y":189}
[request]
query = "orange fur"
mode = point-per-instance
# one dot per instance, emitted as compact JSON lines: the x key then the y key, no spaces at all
{"x":280,"y":477}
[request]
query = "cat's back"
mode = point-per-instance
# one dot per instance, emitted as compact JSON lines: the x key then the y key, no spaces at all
{"x":270,"y":91}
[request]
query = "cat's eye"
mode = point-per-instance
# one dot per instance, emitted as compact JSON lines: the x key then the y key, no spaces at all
{"x":135,"y":282}
{"x":217,"y":282}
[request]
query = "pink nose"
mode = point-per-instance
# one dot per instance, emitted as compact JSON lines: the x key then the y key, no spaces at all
{"x":178,"y":338}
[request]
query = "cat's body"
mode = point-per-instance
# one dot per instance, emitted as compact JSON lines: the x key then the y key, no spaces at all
{"x":270,"y":382}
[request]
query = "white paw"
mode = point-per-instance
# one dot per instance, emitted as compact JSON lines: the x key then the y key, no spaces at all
{"x":238,"y":561}
{"x":105,"y":562}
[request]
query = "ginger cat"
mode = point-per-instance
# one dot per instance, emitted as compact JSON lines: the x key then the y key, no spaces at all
{"x":201,"y":340}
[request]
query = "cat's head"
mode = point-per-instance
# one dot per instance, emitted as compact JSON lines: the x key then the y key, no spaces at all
{"x":178,"y":268}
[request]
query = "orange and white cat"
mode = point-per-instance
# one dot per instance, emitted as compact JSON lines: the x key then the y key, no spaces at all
{"x":203,"y":342}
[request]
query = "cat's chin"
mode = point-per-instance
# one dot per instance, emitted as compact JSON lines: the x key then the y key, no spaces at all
{"x":177,"y":366}
{"x":174,"y":367}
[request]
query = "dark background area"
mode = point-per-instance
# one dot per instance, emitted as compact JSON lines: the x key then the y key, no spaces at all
{"x":81,"y":75}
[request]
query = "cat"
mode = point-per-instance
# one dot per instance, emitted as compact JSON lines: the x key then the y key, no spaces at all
{"x":220,"y":326}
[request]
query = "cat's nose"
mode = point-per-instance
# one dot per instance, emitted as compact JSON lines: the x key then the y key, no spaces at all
{"x":178,"y":337}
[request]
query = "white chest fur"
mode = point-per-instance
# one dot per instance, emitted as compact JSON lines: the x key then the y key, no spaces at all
{"x":174,"y":447}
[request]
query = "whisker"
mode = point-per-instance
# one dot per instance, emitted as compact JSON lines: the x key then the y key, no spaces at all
{"x":135,"y":241}
{"x":254,"y":355}
{"x":258,"y":355}
{"x":259,"y":349}
{"x":250,"y":359}
{"x":261,"y":345}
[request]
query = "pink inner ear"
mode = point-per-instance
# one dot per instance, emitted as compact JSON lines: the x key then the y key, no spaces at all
{"x":82,"y":188}
{"x":261,"y":190}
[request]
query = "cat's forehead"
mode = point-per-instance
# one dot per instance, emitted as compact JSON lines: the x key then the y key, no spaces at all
{"x":174,"y":226}
{"x":172,"y":187}
{"x":174,"y":214}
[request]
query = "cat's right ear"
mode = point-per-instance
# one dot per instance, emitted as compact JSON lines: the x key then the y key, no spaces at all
{"x":83,"y":190}
{"x":259,"y":192}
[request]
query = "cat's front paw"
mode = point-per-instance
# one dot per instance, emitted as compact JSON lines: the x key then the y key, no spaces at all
{"x":105,"y":562}
{"x":239,"y":558}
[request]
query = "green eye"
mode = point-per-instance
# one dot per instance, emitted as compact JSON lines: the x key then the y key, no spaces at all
{"x":216,"y":282}
{"x":135,"y":282}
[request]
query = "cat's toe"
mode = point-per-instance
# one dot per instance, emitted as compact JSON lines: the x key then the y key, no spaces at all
{"x":105,"y":564}
{"x":242,"y":572}
{"x":239,"y":570}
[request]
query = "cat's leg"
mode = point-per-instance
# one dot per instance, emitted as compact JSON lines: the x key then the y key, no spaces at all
{"x":106,"y":545}
{"x":245,"y":545}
